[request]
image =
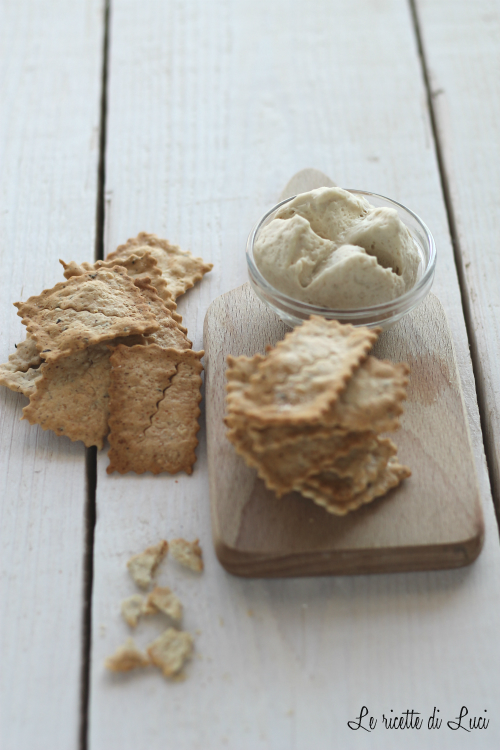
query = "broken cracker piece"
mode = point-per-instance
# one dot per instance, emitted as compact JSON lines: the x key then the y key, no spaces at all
{"x":171,"y":650}
{"x":169,"y":334}
{"x":97,"y":306}
{"x":162,"y":599}
{"x":154,"y":396}
{"x":132,"y":608}
{"x":126,"y":657}
{"x":179,"y":267}
{"x":143,"y":566}
{"x":187,"y":553}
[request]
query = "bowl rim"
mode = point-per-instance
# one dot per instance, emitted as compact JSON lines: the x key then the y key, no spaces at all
{"x":408,"y":298}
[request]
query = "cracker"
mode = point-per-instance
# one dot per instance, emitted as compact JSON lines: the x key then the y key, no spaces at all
{"x":179,"y":267}
{"x":127,"y":657}
{"x":169,"y":334}
{"x":85,"y":310}
{"x":283,"y":466}
{"x":162,"y":599}
{"x":303,"y":375}
{"x":171,"y":650}
{"x":140,"y":265}
{"x":72,"y":394}
{"x":154,"y":397}
{"x":390,"y":476}
{"x":132,"y":608}
{"x":19,"y":381}
{"x":187,"y":553}
{"x":142,"y":567}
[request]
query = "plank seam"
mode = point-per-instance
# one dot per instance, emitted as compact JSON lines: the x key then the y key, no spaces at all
{"x":464,"y":296}
{"x":91,"y":453}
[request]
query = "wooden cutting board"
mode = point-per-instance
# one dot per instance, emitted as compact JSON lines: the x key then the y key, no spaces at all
{"x":432,"y":521}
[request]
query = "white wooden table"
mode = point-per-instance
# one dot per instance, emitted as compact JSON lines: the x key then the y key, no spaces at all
{"x":200,"y":111}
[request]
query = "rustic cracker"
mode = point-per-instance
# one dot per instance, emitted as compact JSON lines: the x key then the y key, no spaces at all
{"x":142,"y":567}
{"x":97,"y":306}
{"x":372,"y":400}
{"x":303,"y":375}
{"x":390,"y":476}
{"x":71,"y":394}
{"x":169,"y":334}
{"x":283,"y":466}
{"x":179,"y":267}
{"x":162,"y":599}
{"x":154,"y":409}
{"x":140,"y":265}
{"x":126,"y":657}
{"x":187,"y":553}
{"x":171,"y":650}
{"x":19,"y":381}
{"x":132,"y":608}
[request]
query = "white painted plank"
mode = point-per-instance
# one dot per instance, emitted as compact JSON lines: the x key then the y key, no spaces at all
{"x":463,"y":53}
{"x":51,"y":56}
{"x":213,"y":106}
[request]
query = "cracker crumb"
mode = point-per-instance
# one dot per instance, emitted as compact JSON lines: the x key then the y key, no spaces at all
{"x":170,"y":651}
{"x":187,"y":553}
{"x":143,"y":566}
{"x":132,"y":608}
{"x":162,"y":599}
{"x":126,"y":657}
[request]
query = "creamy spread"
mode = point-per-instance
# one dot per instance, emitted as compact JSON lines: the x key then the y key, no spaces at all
{"x":332,"y":248}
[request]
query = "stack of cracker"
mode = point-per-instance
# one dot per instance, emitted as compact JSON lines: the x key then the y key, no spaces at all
{"x":106,"y":352}
{"x":309,"y":415}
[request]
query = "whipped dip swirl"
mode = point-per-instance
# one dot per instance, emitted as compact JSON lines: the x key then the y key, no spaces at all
{"x":331,"y":248}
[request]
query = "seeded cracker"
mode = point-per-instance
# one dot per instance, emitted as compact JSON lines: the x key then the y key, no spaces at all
{"x":143,"y":566}
{"x":304,"y":374}
{"x":154,"y":411}
{"x":170,"y":334}
{"x":72,"y":394}
{"x":86,"y":310}
{"x":162,"y":599}
{"x":141,"y":265}
{"x":17,"y":380}
{"x":126,"y":657}
{"x":181,"y":269}
{"x":171,"y":650}
{"x":132,"y":608}
{"x":187,"y":553}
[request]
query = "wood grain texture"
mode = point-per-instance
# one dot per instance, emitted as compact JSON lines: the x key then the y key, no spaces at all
{"x":432,"y":521}
{"x":50,"y":64}
{"x":463,"y":57}
{"x":213,"y":106}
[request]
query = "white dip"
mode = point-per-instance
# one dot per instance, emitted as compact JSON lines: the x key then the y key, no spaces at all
{"x":331,"y":248}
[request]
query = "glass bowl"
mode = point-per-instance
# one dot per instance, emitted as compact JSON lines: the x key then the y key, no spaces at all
{"x":386,"y":314}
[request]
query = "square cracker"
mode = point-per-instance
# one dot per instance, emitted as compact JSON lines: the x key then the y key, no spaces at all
{"x":70,"y":395}
{"x":179,"y":267}
{"x":140,"y":265}
{"x":304,"y":374}
{"x":97,"y":306}
{"x":154,"y":397}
